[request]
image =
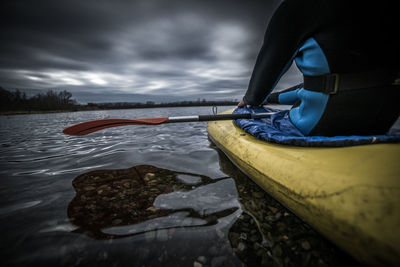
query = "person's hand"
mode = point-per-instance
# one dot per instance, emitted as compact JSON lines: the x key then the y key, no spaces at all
{"x":241,"y":104}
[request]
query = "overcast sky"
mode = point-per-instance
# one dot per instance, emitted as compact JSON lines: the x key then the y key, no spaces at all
{"x":179,"y":48}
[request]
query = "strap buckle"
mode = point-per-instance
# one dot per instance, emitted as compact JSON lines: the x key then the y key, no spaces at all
{"x":332,"y":83}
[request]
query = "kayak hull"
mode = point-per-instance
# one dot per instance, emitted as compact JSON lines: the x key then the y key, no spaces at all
{"x":349,"y":194}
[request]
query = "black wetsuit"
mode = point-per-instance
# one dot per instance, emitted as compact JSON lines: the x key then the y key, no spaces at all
{"x":325,"y":37}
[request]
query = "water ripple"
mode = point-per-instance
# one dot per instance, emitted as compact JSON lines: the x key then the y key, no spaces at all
{"x":82,"y":169}
{"x":38,"y":164}
{"x":19,"y":206}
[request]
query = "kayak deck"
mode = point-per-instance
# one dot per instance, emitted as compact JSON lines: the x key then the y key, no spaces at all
{"x":349,"y":194}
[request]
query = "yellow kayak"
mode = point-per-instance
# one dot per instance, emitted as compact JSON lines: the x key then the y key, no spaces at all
{"x":349,"y":194}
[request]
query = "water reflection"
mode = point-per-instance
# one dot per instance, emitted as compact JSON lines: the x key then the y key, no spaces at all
{"x":112,"y":204}
{"x":161,"y":205}
{"x":268,"y":234}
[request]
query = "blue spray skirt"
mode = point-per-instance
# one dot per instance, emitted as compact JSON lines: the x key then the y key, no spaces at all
{"x":279,"y":129}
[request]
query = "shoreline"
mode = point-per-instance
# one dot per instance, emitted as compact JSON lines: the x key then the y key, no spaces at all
{"x":29,"y":112}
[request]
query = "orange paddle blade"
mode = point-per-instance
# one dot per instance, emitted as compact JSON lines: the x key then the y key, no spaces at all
{"x":94,"y":126}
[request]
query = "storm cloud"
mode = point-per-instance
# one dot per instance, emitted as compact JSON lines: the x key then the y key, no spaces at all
{"x":177,"y":48}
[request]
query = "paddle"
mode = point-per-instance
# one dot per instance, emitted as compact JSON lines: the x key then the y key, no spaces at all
{"x":97,"y":125}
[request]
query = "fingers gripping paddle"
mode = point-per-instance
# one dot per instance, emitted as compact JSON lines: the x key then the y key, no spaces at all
{"x":97,"y":125}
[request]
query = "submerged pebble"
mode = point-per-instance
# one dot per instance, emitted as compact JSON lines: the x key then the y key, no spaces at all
{"x":202,"y":259}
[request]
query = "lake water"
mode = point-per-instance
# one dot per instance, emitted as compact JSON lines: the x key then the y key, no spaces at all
{"x":138,"y":196}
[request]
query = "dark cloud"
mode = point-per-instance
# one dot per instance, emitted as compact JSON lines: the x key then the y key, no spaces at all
{"x":145,"y":47}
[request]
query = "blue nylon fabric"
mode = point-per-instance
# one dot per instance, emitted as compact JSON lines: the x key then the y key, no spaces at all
{"x":279,"y":129}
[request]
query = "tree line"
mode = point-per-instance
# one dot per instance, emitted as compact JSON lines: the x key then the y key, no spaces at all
{"x":51,"y":100}
{"x":17,"y":101}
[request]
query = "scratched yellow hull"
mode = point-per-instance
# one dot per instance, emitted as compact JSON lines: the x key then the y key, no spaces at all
{"x":350,"y":194}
